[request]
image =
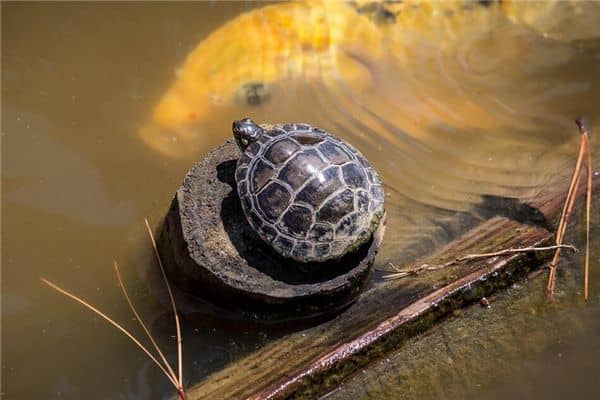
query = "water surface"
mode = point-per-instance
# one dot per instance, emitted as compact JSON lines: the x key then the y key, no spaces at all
{"x":447,"y":110}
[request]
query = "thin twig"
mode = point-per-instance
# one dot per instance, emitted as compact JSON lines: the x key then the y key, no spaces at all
{"x":559,"y":239}
{"x":113,"y":323}
{"x":572,"y":188}
{"x":177,"y":324}
{"x":137,"y":316}
{"x":432,"y":267}
{"x":588,"y":209}
{"x":588,"y":206}
{"x":564,"y":219}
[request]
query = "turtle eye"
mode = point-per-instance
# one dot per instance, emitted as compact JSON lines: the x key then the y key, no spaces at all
{"x":253,"y":93}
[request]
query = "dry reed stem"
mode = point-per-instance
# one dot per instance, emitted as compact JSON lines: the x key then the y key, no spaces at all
{"x":113,"y":323}
{"x":564,"y":221}
{"x":588,"y":207}
{"x":176,"y":380}
{"x":572,"y":188}
{"x":400,"y":273}
{"x":570,"y":200}
{"x":180,"y":389}
{"x":568,"y":208}
{"x":137,"y":316}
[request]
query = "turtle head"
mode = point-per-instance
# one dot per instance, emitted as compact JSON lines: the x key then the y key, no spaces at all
{"x":246,"y":131}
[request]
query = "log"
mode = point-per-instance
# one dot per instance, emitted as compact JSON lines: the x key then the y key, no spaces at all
{"x":312,"y":362}
{"x":210,"y":250}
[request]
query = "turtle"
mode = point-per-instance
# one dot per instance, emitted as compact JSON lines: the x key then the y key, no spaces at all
{"x":308,"y":194}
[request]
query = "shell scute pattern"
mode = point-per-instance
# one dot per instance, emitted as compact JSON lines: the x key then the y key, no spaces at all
{"x":302,"y":250}
{"x":297,"y":220}
{"x":319,"y":188}
{"x":354,"y":176}
{"x":336,"y":207}
{"x":362,"y":199}
{"x":321,"y":250}
{"x":333,"y":153}
{"x":252,"y":150}
{"x":269,"y":233}
{"x":308,"y":194}
{"x":321,"y":232}
{"x":264,"y":173}
{"x":281,"y":151}
{"x":273,"y":200}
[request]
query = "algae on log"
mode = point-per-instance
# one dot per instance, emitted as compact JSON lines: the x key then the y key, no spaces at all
{"x":312,"y":362}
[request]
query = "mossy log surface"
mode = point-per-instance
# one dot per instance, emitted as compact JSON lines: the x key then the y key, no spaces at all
{"x":312,"y":362}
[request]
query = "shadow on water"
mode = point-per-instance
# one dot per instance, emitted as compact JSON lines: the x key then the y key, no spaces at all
{"x":514,"y":209}
{"x":448,"y":225}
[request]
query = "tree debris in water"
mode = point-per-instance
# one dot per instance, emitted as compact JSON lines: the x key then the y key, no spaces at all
{"x":165,"y":367}
{"x":584,"y":151}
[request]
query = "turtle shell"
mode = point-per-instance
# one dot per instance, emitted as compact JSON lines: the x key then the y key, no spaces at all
{"x":310,"y":195}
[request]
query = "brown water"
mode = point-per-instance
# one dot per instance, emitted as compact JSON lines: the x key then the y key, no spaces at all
{"x":454,"y":110}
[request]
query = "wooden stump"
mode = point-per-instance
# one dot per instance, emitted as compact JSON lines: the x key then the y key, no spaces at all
{"x":210,"y":250}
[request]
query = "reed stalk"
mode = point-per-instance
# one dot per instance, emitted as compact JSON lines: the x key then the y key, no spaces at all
{"x":588,"y":207}
{"x":173,"y":306}
{"x":141,"y":321}
{"x":175,"y":379}
{"x":113,"y":323}
{"x":584,"y":150}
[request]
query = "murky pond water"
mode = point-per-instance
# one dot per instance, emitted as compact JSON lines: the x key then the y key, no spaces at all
{"x":106,"y":106}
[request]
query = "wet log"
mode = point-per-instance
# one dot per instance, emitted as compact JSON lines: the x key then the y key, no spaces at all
{"x":210,"y":250}
{"x":312,"y":362}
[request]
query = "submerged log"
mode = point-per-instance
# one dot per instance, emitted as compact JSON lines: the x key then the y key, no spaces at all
{"x":310,"y":363}
{"x":210,"y":250}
